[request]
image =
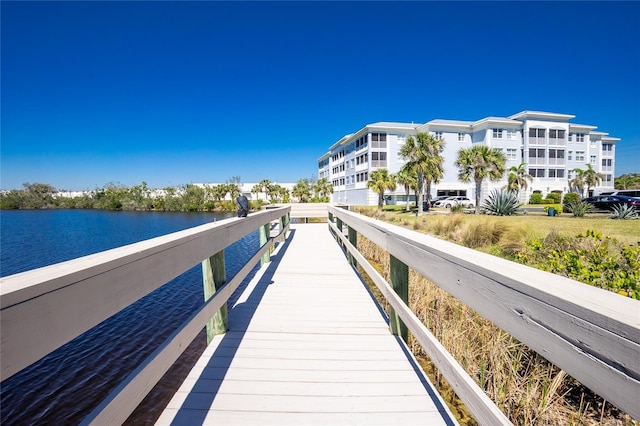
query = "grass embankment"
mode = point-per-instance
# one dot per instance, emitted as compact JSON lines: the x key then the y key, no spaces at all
{"x":527,"y":388}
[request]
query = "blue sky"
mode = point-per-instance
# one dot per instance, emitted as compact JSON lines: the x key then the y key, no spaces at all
{"x":182,"y":92}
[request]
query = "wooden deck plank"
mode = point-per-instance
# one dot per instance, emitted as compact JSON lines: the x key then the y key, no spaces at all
{"x":307,"y":345}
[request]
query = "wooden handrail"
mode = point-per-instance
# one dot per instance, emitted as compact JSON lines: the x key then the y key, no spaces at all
{"x":90,"y":289}
{"x":591,"y":333}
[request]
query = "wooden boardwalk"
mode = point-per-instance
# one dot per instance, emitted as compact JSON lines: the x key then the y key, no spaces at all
{"x":306,"y":345}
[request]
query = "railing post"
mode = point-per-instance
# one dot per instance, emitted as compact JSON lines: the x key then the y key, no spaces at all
{"x":400,"y":283}
{"x":288,"y":222}
{"x":264,"y":238}
{"x":339,"y":225}
{"x":282,"y":223}
{"x":353,"y":239}
{"x":214,"y":277}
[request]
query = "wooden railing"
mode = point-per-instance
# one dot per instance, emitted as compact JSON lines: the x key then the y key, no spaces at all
{"x":592,"y":334}
{"x":43,"y":309}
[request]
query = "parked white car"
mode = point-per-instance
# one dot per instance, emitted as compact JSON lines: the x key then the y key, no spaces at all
{"x":452,"y":201}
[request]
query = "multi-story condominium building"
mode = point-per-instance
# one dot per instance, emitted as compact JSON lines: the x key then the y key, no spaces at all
{"x":547,"y":142}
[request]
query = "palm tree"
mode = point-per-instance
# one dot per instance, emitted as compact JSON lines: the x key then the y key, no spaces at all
{"x":256,"y":189}
{"x":302,"y":190}
{"x":424,"y":153}
{"x":407,"y":178}
{"x":478,"y":163}
{"x":627,"y":181}
{"x":518,"y":178}
{"x":379,"y":181}
{"x":591,"y":178}
{"x":578,"y":181}
{"x":323,"y":187}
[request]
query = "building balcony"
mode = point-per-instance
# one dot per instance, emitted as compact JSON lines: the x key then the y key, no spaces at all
{"x":556,"y":162}
{"x":537,"y":141}
{"x":537,"y":161}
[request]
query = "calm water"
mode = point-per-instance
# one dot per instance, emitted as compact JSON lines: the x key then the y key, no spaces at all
{"x":63,"y":387}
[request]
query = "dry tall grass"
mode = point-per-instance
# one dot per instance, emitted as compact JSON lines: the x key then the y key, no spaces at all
{"x":526,"y":387}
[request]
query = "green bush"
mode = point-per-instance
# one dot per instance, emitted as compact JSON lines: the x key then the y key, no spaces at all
{"x":501,"y":203}
{"x":536,"y":198}
{"x":579,"y":208}
{"x":556,"y":207}
{"x":590,"y":258}
{"x":569,"y":198}
{"x":555,"y":196}
{"x":623,"y":211}
{"x":547,"y":201}
{"x":457,"y":208}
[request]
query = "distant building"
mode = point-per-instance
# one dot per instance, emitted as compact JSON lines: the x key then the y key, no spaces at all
{"x":547,"y":142}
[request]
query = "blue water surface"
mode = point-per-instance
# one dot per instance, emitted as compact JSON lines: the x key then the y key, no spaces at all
{"x":66,"y":385}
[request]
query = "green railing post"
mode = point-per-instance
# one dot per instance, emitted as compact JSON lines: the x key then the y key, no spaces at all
{"x":339,"y":225}
{"x":282,"y":223}
{"x":214,"y":277}
{"x":353,"y":239}
{"x":264,"y":238}
{"x":400,"y":283}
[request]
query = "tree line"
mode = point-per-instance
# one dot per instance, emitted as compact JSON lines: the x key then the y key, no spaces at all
{"x":184,"y":198}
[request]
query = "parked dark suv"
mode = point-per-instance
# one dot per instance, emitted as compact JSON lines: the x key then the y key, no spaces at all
{"x":608,"y":202}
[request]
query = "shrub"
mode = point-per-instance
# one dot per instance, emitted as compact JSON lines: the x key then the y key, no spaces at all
{"x":579,"y":208}
{"x":536,"y":198}
{"x":590,"y":258}
{"x":501,"y":203}
{"x":555,"y":196}
{"x":623,"y":211}
{"x":571,"y":197}
{"x":556,"y":207}
{"x":457,"y":208}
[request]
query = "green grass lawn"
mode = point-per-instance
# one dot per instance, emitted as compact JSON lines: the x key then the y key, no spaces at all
{"x":539,"y":224}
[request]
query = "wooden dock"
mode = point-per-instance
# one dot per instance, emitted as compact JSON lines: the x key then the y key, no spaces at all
{"x":306,"y":344}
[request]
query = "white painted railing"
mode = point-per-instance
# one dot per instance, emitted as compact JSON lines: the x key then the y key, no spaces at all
{"x":43,"y":309}
{"x":592,"y":334}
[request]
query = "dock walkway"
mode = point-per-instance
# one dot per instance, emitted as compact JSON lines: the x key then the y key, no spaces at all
{"x":306,"y":344}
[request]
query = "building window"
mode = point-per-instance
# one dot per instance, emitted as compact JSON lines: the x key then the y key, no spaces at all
{"x":606,"y":162}
{"x":536,"y":153}
{"x":536,"y":133}
{"x":378,"y":159}
{"x":570,"y":155}
{"x":379,"y":140}
{"x":579,"y":137}
{"x":608,"y":179}
{"x":556,"y":173}
{"x":497,"y":133}
{"x":593,"y":160}
{"x":512,"y":134}
{"x":607,"y":147}
{"x":379,"y":137}
{"x":579,"y":155}
{"x":437,"y":135}
{"x":556,"y":134}
{"x":536,"y":172}
{"x":461,"y":137}
{"x":512,"y":154}
{"x":556,"y":156}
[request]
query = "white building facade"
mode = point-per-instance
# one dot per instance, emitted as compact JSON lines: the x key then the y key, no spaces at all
{"x":547,"y":142}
